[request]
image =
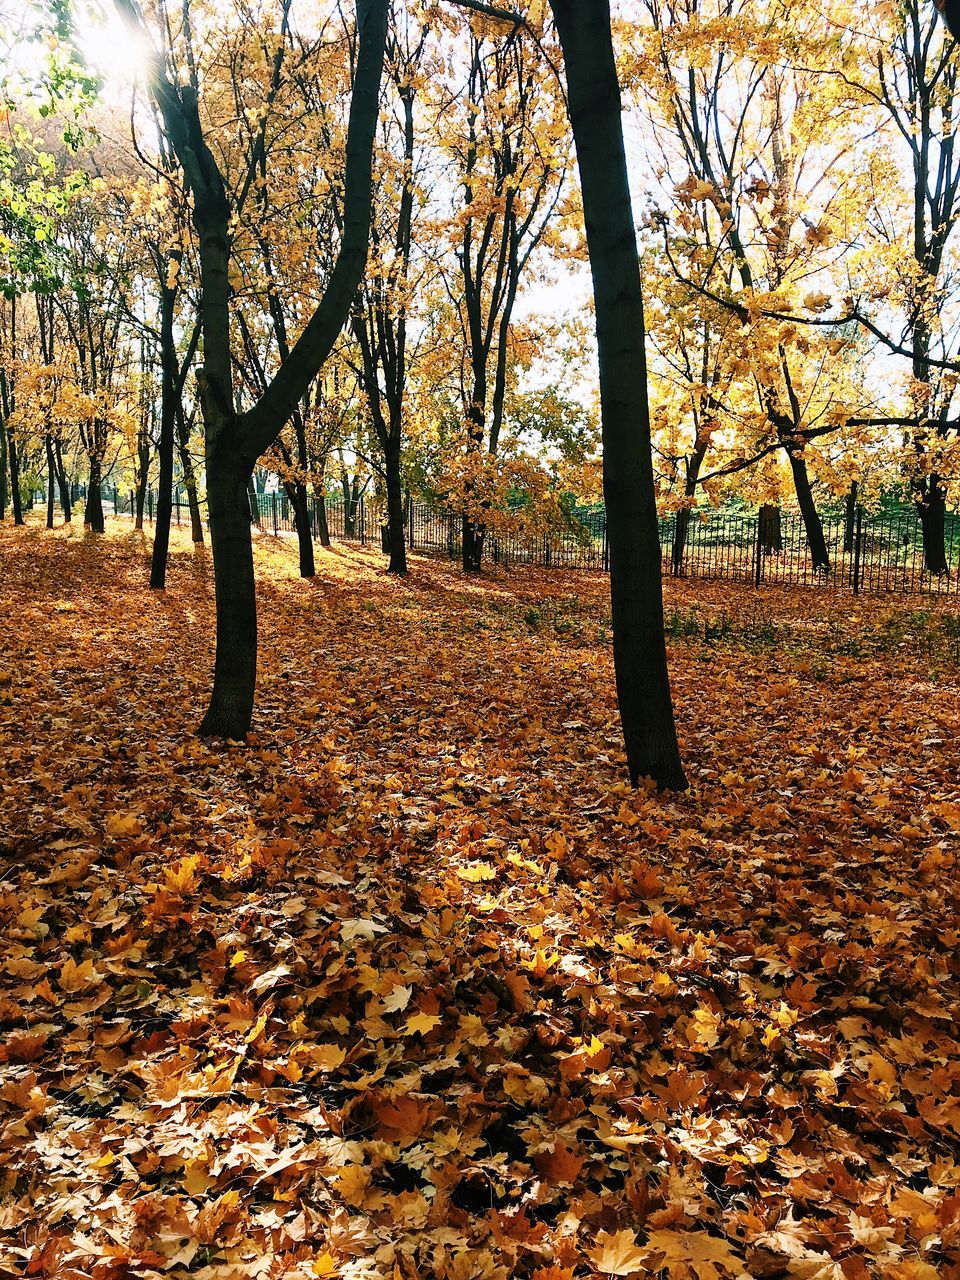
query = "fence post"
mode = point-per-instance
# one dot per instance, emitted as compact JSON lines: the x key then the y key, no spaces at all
{"x":410,"y":520}
{"x":758,"y":567}
{"x":605,"y":556}
{"x":150,"y":504}
{"x":857,"y":550}
{"x":273,"y":504}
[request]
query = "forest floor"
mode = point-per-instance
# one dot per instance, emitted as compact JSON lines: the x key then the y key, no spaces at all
{"x":413,"y":985}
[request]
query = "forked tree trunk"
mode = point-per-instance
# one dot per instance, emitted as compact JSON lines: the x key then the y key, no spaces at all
{"x":639,"y":649}
{"x":235,"y":441}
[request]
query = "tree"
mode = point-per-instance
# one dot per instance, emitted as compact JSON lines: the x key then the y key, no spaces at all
{"x":507,"y":144}
{"x":235,"y":439}
{"x":381,"y":313}
{"x":639,"y":649}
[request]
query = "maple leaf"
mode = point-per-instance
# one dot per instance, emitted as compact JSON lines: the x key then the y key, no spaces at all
{"x":366,"y":930}
{"x":694,"y":1252}
{"x":123,"y":824}
{"x":618,"y":1254}
{"x":398,"y":999}
{"x":421,"y":1024}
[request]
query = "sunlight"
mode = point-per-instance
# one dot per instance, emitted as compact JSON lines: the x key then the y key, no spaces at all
{"x":112,"y":46}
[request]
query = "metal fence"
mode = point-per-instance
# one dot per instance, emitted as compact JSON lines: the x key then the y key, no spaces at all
{"x":875,"y":552}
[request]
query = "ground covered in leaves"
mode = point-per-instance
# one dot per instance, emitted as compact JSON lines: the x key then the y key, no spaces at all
{"x":412,"y":985}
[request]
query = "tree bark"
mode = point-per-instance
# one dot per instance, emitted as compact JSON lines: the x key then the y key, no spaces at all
{"x":850,"y":517}
{"x":931,"y":504}
{"x":771,"y":531}
{"x":235,"y":668}
{"x":395,"y":523}
{"x":169,"y":371}
{"x":323,"y":526}
{"x":13,"y":457}
{"x":636,"y":591}
{"x":235,"y":441}
{"x":299,"y":502}
{"x":812,"y":524}
{"x":189,"y":475}
{"x":3,"y":467}
{"x":93,"y":511}
{"x":62,"y":482}
{"x":51,"y":481}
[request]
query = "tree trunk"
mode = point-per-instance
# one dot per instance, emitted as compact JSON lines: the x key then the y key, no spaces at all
{"x":93,"y":512}
{"x":297,"y":493}
{"x":235,"y":669}
{"x":636,"y":591}
{"x":931,"y":503}
{"x":168,"y":422}
{"x":14,"y":460}
{"x":3,"y":468}
{"x":189,"y":477}
{"x":51,"y":481}
{"x":63,"y":483}
{"x":323,"y":526}
{"x":680,"y":530}
{"x":473,"y":531}
{"x":771,"y":529}
{"x":395,"y":525}
{"x":850,"y":517}
{"x":813,"y":527}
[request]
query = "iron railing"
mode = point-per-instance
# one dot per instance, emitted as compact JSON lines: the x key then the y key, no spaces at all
{"x":876,"y":552}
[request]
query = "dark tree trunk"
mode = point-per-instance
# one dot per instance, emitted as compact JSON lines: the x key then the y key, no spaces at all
{"x":51,"y":482}
{"x":395,"y":525}
{"x":93,"y":511}
{"x":812,"y":524}
{"x":771,"y":529}
{"x":931,"y":504}
{"x":472,"y":537}
{"x":189,"y":478}
{"x":323,"y":526}
{"x":168,"y":422}
{"x":850,"y":517}
{"x":62,"y":483}
{"x":235,"y":669}
{"x":299,"y":502}
{"x":680,"y":531}
{"x":143,"y":477}
{"x":14,"y":459}
{"x":3,"y":468}
{"x":639,"y":649}
{"x":473,"y":531}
